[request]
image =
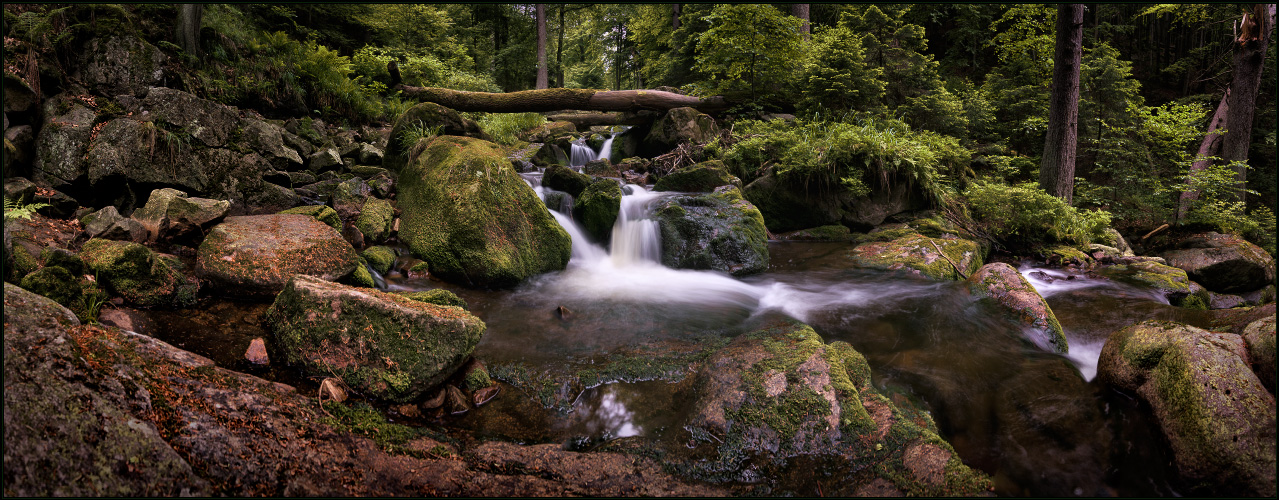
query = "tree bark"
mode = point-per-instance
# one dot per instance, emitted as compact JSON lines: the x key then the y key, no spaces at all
{"x":1250,"y":54}
{"x":1208,"y":148}
{"x":538,"y":101}
{"x":188,"y":29}
{"x":1057,"y":169}
{"x":674,"y":16}
{"x":559,"y":52}
{"x":541,"y":46}
{"x":800,"y":10}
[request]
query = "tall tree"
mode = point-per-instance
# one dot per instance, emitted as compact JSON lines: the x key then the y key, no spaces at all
{"x":188,"y":29}
{"x":1250,"y":53}
{"x":541,"y":46}
{"x":674,"y":16}
{"x":1057,"y":169}
{"x":800,"y":10}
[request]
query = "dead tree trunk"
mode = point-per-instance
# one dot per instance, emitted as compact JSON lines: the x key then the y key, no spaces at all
{"x":1250,"y":54}
{"x":1057,"y":169}
{"x":539,"y":101}
{"x":1208,"y":148}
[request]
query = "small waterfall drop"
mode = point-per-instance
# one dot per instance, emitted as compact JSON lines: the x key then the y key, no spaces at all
{"x":636,"y":238}
{"x":580,"y":153}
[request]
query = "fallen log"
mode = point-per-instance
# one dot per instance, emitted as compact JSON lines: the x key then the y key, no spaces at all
{"x":583,"y":120}
{"x":544,"y":100}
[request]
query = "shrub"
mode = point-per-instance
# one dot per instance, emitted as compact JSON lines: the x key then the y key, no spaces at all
{"x":1025,"y":216}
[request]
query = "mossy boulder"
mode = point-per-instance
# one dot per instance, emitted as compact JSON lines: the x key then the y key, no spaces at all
{"x":322,"y":213}
{"x":561,"y":178}
{"x":1065,"y":255}
{"x":422,"y":118}
{"x":680,"y":125}
{"x":832,"y":232}
{"x":1002,"y":283}
{"x":1215,"y":412}
{"x":719,"y":230}
{"x":779,"y":392}
{"x":602,"y":167}
{"x":1260,"y":339}
{"x":139,"y":275}
{"x":1171,"y":282}
{"x":375,"y":220}
{"x":1223,"y":263}
{"x":380,"y":257}
{"x":381,"y":344}
{"x":473,"y":218}
{"x":597,"y":207}
{"x":437,"y":296}
{"x":936,"y":258}
{"x":55,"y":283}
{"x":255,"y":255}
{"x":703,"y":177}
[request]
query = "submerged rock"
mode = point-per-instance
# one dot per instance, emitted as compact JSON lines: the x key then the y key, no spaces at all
{"x":255,"y":255}
{"x":719,"y":230}
{"x":473,"y":219}
{"x":823,"y":233}
{"x":381,"y":344}
{"x":1001,"y":282}
{"x":1223,"y":263}
{"x":1214,"y":411}
{"x":936,"y":258}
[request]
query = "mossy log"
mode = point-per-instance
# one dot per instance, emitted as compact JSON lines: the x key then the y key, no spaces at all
{"x":543,"y":100}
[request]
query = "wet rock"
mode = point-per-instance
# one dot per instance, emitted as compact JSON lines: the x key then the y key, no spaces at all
{"x":1225,"y":301}
{"x":139,"y":275}
{"x":380,"y":258}
{"x":700,"y":178}
{"x":353,"y":236}
{"x":680,"y":125}
{"x":719,"y":230}
{"x":256,"y":353}
{"x":475,"y":376}
{"x":422,"y":120}
{"x":375,"y":220}
{"x":936,"y":258}
{"x":1001,"y":282}
{"x":435,"y":401}
{"x":322,"y":213}
{"x":255,"y":255}
{"x":600,"y":168}
{"x":332,"y":389}
{"x":1259,"y":336}
{"x":1223,"y":263}
{"x":473,"y":219}
{"x":130,"y":320}
{"x":563,"y":313}
{"x":1068,"y":256}
{"x":1215,"y":412}
{"x":455,"y":401}
{"x":565,"y":179}
{"x":380,"y":344}
{"x":485,"y":394}
{"x":1173,"y":283}
{"x":823,"y":233}
{"x":597,"y":207}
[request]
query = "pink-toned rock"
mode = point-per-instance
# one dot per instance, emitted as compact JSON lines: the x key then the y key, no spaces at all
{"x":127,"y":319}
{"x":257,"y":352}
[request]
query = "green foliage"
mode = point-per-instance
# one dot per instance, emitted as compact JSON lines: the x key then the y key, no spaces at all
{"x":503,"y":127}
{"x":835,"y":78}
{"x":1025,"y":216}
{"x":749,"y":47}
{"x":14,"y":209}
{"x":1219,"y":209}
{"x":1019,"y":86}
{"x":417,"y":68}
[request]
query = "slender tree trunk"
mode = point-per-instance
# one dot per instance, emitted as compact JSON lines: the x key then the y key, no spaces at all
{"x":559,"y":52}
{"x":1209,"y":147}
{"x":800,"y":10}
{"x":188,"y":29}
{"x":674,"y":16}
{"x":1057,"y":169}
{"x":541,"y":46}
{"x":1250,"y":54}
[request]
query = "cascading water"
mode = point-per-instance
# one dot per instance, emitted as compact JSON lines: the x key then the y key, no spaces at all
{"x":580,"y":153}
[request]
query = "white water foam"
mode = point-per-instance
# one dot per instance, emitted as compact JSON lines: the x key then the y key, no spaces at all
{"x":1056,"y":281}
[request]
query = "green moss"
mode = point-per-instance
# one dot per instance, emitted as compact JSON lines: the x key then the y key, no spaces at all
{"x":565,"y":179}
{"x":920,"y":254}
{"x":55,"y":283}
{"x":833,"y":232}
{"x":322,"y":213}
{"x":702,"y":177}
{"x":437,"y":296}
{"x":477,"y":379}
{"x":359,"y":276}
{"x":23,"y":263}
{"x":362,"y":419}
{"x":139,"y":275}
{"x":64,"y":259}
{"x":380,"y":257}
{"x":597,"y":208}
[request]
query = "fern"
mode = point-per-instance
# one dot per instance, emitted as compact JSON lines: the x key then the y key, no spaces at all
{"x":13,"y":209}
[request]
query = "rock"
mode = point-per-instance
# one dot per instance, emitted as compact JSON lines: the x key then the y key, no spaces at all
{"x":324,"y":160}
{"x":256,"y":255}
{"x":1112,"y":238}
{"x":936,"y":258}
{"x":789,"y":204}
{"x":548,"y":131}
{"x":18,"y":96}
{"x":680,"y":125}
{"x":55,"y":283}
{"x":257,"y":352}
{"x":380,"y":257}
{"x":23,"y":139}
{"x":1223,"y":263}
{"x":369,"y":154}
{"x":380,"y":344}
{"x":349,"y":196}
{"x":700,"y":178}
{"x":130,"y":320}
{"x":1259,"y":336}
{"x":565,"y":179}
{"x":1225,"y":301}
{"x":419,"y":122}
{"x":823,"y":233}
{"x":718,"y":230}
{"x":210,"y":123}
{"x":1068,"y":256}
{"x":437,"y":296}
{"x":139,"y":275}
{"x":1001,"y":282}
{"x":455,"y":401}
{"x":475,"y":376}
{"x":597,"y":207}
{"x":1217,"y":415}
{"x":62,"y":141}
{"x":475,"y":220}
{"x":368,"y":172}
{"x":172,"y":216}
{"x":322,"y":213}
{"x":354,"y":236}
{"x":120,"y":65}
{"x":375,"y":219}
{"x":303,"y":147}
{"x":267,"y":140}
{"x":600,"y":168}
{"x":1170,"y":281}
{"x":332,"y":389}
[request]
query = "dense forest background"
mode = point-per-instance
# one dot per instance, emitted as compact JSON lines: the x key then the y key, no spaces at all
{"x":953,"y":96}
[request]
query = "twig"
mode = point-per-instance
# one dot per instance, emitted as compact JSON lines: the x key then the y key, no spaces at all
{"x":952,"y":263}
{"x":1152,"y":233}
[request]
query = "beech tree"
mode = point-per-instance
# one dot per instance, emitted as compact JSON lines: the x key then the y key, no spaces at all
{"x":1057,"y":168}
{"x":541,"y":46}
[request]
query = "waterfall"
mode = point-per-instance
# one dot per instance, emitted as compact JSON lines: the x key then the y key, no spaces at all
{"x":580,"y":153}
{"x":636,"y":238}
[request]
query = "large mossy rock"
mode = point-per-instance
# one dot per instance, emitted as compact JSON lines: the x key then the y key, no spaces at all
{"x":719,"y":230}
{"x":1171,"y":282}
{"x":680,"y":125}
{"x":703,"y":177}
{"x":936,"y":258}
{"x":561,"y":178}
{"x":790,"y":205}
{"x":68,"y":430}
{"x":1001,"y":282}
{"x":597,"y":207}
{"x":63,"y":141}
{"x":139,"y":275}
{"x":381,"y":344}
{"x":473,"y":219}
{"x":423,"y":120}
{"x":375,"y":220}
{"x":255,"y":255}
{"x":779,"y":392}
{"x":1223,"y":263}
{"x":1260,"y":339}
{"x":1216,"y":414}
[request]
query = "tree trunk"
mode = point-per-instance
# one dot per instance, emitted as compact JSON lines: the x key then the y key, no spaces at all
{"x":1250,"y":54}
{"x":1057,"y":169}
{"x":583,"y":120}
{"x":800,"y":10}
{"x":1208,"y":148}
{"x":541,"y":46}
{"x":538,"y":101}
{"x":674,"y":16}
{"x":188,"y":29}
{"x":559,"y":52}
